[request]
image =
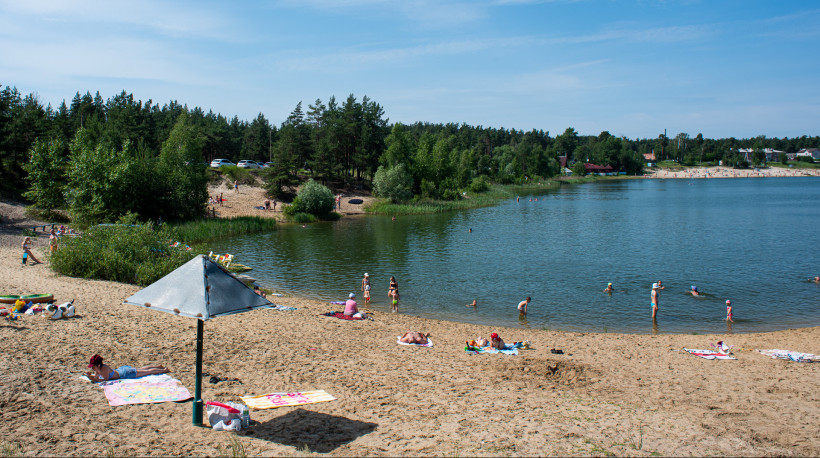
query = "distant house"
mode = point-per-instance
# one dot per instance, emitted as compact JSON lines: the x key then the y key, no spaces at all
{"x":772,"y":155}
{"x":562,"y":160}
{"x":814,"y":153}
{"x":791,"y":156}
{"x":649,"y":157}
{"x":598,"y":169}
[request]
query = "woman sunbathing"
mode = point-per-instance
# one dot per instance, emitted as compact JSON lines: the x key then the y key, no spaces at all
{"x":101,"y":372}
{"x":496,"y":342}
{"x":413,"y":337}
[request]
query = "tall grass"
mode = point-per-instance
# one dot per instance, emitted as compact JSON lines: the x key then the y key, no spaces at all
{"x":205,"y":230}
{"x":473,"y":200}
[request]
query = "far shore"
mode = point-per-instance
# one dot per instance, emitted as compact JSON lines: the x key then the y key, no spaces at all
{"x":728,"y":172}
{"x":604,"y":394}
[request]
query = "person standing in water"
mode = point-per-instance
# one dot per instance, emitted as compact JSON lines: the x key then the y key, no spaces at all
{"x":522,"y":306}
{"x":365,"y":281}
{"x":396,"y":300}
{"x":393,"y":286}
{"x":729,"y":313}
{"x":608,"y":288}
{"x":655,"y":299}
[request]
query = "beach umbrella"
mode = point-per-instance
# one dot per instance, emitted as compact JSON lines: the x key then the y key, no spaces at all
{"x":199,"y":289}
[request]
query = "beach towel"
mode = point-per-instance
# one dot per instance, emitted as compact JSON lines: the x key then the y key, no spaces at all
{"x":144,"y":390}
{"x":341,"y":316}
{"x":428,"y":344}
{"x":508,"y":349}
{"x":278,"y":307}
{"x":707,"y":354}
{"x":273,"y":400}
{"x":792,"y":356}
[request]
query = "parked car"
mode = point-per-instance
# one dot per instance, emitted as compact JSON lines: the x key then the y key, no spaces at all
{"x":267,"y":165}
{"x":217,"y":163}
{"x":247,"y":164}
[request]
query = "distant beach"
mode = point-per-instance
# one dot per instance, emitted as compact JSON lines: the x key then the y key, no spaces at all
{"x":728,"y":172}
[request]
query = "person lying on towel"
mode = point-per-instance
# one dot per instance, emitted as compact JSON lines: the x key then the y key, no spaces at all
{"x":413,"y":337}
{"x":102,"y":372}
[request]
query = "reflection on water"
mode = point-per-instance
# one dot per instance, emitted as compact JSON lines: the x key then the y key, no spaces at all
{"x":748,"y":240}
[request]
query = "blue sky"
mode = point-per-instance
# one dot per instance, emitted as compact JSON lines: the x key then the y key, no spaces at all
{"x":721,"y":68}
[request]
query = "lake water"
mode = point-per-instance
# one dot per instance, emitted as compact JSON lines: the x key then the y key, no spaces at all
{"x":753,"y":241}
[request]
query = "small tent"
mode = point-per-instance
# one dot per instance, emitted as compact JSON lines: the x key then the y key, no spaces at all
{"x":199,"y":289}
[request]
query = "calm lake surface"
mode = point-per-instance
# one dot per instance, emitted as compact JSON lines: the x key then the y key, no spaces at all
{"x":753,"y":241}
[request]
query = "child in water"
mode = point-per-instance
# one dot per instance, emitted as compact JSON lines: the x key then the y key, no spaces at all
{"x":396,"y":300}
{"x":367,"y":293}
{"x":729,"y":314}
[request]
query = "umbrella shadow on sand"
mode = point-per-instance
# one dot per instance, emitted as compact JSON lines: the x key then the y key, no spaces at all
{"x":322,"y":433}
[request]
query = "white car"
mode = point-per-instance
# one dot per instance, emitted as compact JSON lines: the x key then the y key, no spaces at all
{"x":246,"y":164}
{"x":267,"y":165}
{"x":217,"y":163}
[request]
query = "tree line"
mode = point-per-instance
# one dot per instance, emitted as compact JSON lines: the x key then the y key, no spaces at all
{"x":346,"y":143}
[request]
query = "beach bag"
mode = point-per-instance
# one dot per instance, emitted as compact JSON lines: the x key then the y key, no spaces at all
{"x":218,"y":411}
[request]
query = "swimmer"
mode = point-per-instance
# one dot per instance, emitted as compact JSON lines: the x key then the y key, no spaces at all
{"x":474,"y":304}
{"x":815,"y":279}
{"x":729,"y":313}
{"x":522,"y":306}
{"x":608,"y":288}
{"x":695,"y":291}
{"x":471,"y":230}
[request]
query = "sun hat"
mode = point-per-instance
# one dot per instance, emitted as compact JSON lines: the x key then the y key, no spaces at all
{"x":728,"y":301}
{"x":694,"y":288}
{"x":96,"y":360}
{"x":352,"y":295}
{"x":366,"y":274}
{"x":654,"y":286}
{"x":609,"y":284}
{"x":494,"y":336}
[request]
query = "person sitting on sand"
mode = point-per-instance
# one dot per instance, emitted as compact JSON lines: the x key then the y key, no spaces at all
{"x":474,"y":304}
{"x":496,"y":342}
{"x":414,"y":337}
{"x":259,"y":291}
{"x":102,"y":372}
{"x":27,"y":251}
{"x":608,"y":288}
{"x":351,"y":308}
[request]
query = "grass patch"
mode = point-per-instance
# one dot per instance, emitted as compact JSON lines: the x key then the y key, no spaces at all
{"x":10,"y":449}
{"x":205,"y":230}
{"x":236,"y":449}
{"x":473,"y":200}
{"x":795,"y":164}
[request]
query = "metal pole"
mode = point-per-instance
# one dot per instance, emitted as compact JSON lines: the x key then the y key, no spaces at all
{"x":197,"y":417}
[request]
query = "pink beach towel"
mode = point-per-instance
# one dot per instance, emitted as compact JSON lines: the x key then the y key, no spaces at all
{"x":707,"y":354}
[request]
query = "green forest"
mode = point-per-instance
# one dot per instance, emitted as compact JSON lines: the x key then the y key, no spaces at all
{"x":104,"y":158}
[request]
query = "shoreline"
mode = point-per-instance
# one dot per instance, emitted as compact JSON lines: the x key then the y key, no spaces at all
{"x":728,"y":172}
{"x":623,"y":394}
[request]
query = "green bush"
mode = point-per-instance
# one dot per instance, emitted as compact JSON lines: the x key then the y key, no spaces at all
{"x":479,"y":184}
{"x":138,"y":254}
{"x":314,"y":198}
{"x":393,"y":183}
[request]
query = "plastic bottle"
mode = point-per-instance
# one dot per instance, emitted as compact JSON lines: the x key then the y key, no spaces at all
{"x":246,"y":417}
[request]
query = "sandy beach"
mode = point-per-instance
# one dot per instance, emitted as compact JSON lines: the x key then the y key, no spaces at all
{"x":728,"y":172}
{"x":607,"y":394}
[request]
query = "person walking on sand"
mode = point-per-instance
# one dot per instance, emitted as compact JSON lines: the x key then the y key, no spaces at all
{"x":27,"y":251}
{"x":522,"y":306}
{"x":729,"y":313}
{"x":236,"y":186}
{"x":655,"y":298}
